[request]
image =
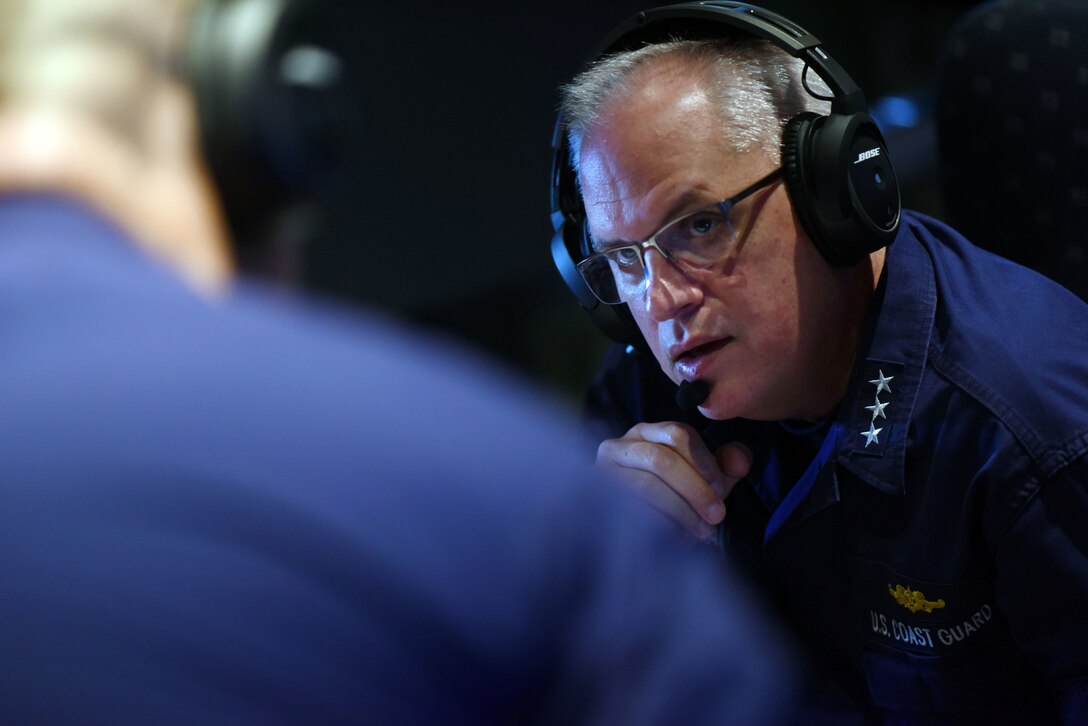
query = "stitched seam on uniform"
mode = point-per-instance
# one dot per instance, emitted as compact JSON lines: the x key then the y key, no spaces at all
{"x":1064,"y":454}
{"x":1027,"y":437}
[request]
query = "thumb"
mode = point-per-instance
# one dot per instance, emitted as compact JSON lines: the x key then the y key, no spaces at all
{"x":735,"y":461}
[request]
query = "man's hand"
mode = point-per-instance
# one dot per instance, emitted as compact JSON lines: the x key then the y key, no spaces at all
{"x":669,"y":466}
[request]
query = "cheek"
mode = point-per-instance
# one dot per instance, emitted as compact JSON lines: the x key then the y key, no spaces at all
{"x":775,"y":321}
{"x":770,"y":298}
{"x":649,"y":329}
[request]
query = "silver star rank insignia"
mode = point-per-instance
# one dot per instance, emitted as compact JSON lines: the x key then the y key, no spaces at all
{"x":872,"y":434}
{"x":877,"y":409}
{"x":881,"y":383}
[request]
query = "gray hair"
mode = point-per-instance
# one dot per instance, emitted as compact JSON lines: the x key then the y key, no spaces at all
{"x":758,"y":86}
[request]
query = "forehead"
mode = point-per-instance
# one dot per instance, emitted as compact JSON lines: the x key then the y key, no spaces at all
{"x":656,"y":147}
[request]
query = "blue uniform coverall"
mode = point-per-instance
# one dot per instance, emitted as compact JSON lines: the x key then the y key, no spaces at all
{"x":249,"y":510}
{"x":929,"y":538}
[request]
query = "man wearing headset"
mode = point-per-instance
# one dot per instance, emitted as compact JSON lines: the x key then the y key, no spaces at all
{"x":908,"y":423}
{"x":220,"y":506}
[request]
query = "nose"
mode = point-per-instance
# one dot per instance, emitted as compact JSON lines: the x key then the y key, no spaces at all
{"x":668,"y":290}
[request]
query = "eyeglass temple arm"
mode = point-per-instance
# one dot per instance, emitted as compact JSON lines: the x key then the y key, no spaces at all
{"x":732,"y":201}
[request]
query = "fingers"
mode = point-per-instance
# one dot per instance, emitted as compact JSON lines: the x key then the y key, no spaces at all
{"x":689,"y":445}
{"x":734,"y":460}
{"x":650,"y":489}
{"x":668,"y":466}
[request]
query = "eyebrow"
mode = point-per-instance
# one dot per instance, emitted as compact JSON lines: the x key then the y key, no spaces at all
{"x":673,"y":213}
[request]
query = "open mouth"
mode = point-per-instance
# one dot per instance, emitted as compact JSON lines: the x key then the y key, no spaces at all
{"x":704,"y":349}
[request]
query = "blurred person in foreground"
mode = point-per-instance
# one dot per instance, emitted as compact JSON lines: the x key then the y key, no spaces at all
{"x":220,"y":506}
{"x":906,"y":414}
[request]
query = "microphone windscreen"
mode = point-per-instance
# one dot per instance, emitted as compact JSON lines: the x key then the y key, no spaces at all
{"x":692,"y":393}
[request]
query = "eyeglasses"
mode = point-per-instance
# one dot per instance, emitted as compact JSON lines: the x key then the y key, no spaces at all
{"x":696,"y":241}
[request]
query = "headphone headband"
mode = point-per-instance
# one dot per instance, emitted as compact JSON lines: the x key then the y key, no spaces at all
{"x":688,"y":19}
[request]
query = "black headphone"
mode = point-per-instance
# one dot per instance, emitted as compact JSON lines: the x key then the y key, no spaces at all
{"x":836,"y":167}
{"x":275,"y":103}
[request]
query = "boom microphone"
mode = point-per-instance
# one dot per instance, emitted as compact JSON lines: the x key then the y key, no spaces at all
{"x":692,"y":393}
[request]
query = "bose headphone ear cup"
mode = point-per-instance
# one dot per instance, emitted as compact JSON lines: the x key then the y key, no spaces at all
{"x":570,"y":244}
{"x":843,"y":190}
{"x":870,"y":183}
{"x":796,"y":171}
{"x":615,"y":321}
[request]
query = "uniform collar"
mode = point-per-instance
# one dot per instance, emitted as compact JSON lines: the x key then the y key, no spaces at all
{"x":874,"y":418}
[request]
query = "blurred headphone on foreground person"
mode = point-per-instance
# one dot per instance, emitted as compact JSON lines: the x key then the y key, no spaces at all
{"x":895,"y":451}
{"x":250,"y":509}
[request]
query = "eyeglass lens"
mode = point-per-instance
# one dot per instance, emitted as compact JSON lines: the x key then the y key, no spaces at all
{"x":694,"y":241}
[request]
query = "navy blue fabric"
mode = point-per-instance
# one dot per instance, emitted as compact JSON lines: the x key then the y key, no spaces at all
{"x":934,"y":552}
{"x":247,"y":511}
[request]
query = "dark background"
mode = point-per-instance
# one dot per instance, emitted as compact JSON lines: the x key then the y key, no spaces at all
{"x":449,"y":225}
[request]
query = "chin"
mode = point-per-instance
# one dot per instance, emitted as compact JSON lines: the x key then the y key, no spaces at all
{"x":725,"y":403}
{"x":718,"y":410}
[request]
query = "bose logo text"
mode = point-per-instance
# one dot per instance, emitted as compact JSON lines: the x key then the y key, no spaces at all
{"x":868,"y":155}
